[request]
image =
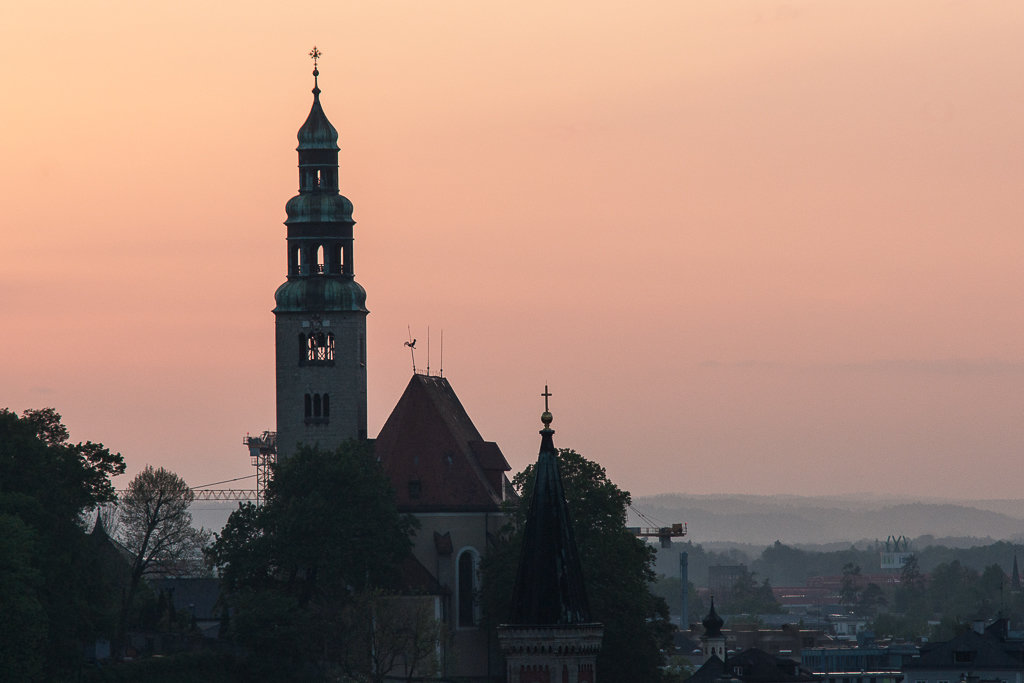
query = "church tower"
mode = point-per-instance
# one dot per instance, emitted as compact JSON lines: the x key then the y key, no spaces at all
{"x":320,"y":316}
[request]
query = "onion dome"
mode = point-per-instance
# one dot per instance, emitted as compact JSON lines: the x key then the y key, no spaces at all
{"x":318,"y":208}
{"x":713,"y":623}
{"x":320,"y":294}
{"x":317,"y":132}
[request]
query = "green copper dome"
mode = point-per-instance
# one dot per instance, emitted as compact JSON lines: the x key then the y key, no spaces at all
{"x":318,"y":207}
{"x":320,"y":294}
{"x":317,"y":132}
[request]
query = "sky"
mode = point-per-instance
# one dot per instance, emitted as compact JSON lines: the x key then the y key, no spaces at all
{"x":752,"y":247}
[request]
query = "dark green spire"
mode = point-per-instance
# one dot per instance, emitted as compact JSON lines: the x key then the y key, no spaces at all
{"x":549,"y":585}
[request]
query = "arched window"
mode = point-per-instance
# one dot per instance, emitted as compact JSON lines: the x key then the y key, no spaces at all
{"x":309,"y":406}
{"x":320,"y":259}
{"x":337,"y":265}
{"x":327,"y":406}
{"x":319,"y":348}
{"x":303,"y":349}
{"x":467,"y":583}
{"x":316,"y":405}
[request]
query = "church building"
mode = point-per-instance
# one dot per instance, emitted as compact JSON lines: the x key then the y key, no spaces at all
{"x":441,"y":468}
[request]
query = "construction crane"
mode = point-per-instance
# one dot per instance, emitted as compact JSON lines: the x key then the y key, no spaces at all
{"x":263,"y":454}
{"x":663,"y":533}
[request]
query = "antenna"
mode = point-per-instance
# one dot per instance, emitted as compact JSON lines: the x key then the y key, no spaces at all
{"x":441,"y":372}
{"x":412,"y":349}
{"x":428,"y":350}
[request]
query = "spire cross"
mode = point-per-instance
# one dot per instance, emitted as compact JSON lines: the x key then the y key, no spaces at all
{"x":315,"y":54}
{"x":547,"y":394}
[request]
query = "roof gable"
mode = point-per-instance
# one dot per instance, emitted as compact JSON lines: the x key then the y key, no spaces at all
{"x":434,"y":455}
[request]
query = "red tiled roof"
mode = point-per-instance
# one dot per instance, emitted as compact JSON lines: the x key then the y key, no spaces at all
{"x":434,"y":455}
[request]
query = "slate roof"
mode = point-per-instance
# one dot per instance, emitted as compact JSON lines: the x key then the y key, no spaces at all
{"x":549,"y":584}
{"x":752,"y":666}
{"x":435,"y":457}
{"x":989,"y":650}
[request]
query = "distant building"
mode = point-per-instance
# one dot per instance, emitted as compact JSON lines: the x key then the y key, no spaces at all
{"x":979,"y":655}
{"x":751,"y":666}
{"x":866,"y":663}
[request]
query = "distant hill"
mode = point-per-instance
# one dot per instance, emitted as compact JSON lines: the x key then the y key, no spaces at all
{"x":810,"y":521}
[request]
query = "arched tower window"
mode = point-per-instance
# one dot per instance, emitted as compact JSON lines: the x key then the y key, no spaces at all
{"x":337,"y":265}
{"x":468,"y":584}
{"x":320,"y":259}
{"x":327,"y":406}
{"x":319,"y":348}
{"x":316,"y":406}
{"x":309,"y":406}
{"x":303,"y":347}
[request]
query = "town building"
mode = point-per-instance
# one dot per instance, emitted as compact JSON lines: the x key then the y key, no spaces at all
{"x":978,"y":655}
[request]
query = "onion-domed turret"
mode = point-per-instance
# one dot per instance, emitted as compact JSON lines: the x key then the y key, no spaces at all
{"x":317,"y":132}
{"x":713,"y":623}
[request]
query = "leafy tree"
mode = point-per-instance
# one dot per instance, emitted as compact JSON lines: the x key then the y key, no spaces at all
{"x":871,"y":599}
{"x":617,"y":569}
{"x":52,"y":591}
{"x":849,"y":591}
{"x":747,"y":597}
{"x":294,"y":569}
{"x":156,"y":529}
{"x":668,"y":588}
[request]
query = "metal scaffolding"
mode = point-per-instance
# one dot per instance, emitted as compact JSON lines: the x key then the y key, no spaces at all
{"x":263,"y":454}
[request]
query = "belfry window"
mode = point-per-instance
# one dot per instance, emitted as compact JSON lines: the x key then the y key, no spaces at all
{"x":320,"y":259}
{"x":319,"y":347}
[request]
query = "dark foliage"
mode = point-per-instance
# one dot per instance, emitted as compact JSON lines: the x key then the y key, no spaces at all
{"x":56,"y":597}
{"x":295,"y":569}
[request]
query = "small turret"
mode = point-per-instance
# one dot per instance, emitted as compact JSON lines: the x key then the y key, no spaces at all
{"x":713,"y":642}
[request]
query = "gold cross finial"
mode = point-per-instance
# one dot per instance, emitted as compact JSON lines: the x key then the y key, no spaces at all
{"x":546,"y":416}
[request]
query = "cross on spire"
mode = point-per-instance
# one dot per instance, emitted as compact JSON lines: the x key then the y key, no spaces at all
{"x":547,"y":394}
{"x":315,"y":54}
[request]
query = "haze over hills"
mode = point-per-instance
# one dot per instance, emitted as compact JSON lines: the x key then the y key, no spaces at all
{"x":805,"y":521}
{"x":812,"y":520}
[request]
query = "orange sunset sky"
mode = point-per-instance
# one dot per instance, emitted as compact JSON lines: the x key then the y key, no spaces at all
{"x":753,"y":247}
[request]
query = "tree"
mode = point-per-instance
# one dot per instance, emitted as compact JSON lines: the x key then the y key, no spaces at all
{"x":747,"y":597}
{"x":47,"y":567}
{"x":156,"y":529}
{"x":294,"y":569}
{"x":849,"y":591}
{"x":617,"y":569}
